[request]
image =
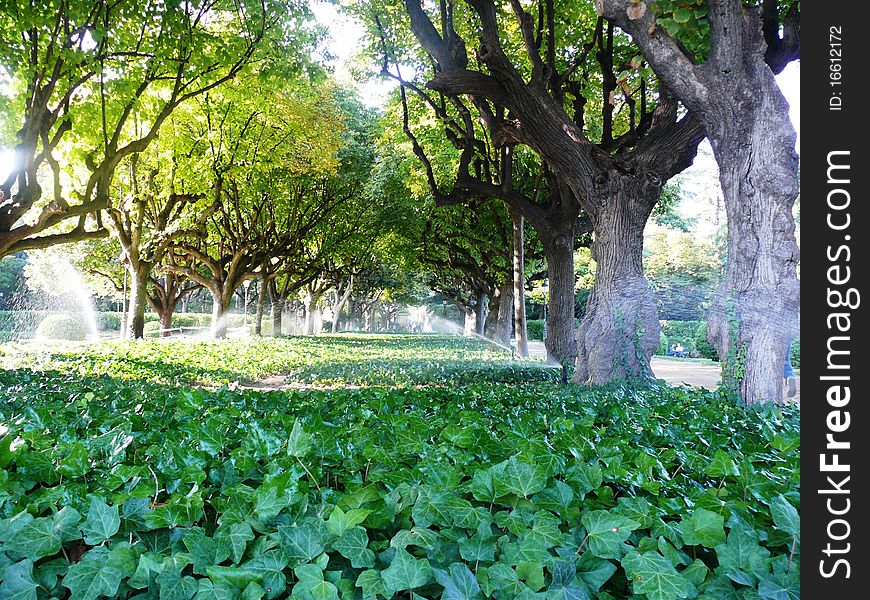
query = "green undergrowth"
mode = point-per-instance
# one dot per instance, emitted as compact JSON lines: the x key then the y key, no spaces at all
{"x":112,"y":486}
{"x":355,"y":359}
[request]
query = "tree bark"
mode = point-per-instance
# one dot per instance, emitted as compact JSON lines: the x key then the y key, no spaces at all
{"x":500,"y":320}
{"x":261,"y":303}
{"x":620,"y":330}
{"x":754,"y":318}
{"x":559,"y":252}
{"x":311,"y":314}
{"x":340,"y":304}
{"x":166,"y":320}
{"x":481,"y":310}
{"x":470,"y":324}
{"x":220,"y":305}
{"x":138,"y":303}
{"x":519,"y":283}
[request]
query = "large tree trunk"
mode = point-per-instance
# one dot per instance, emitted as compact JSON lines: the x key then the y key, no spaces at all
{"x":220,"y":305}
{"x":138,"y":303}
{"x":261,"y":303}
{"x":277,"y":310}
{"x":481,"y":310}
{"x":500,"y":320}
{"x":521,"y":331}
{"x":166,"y":319}
{"x":620,"y":330}
{"x":754,"y":318}
{"x":340,"y":304}
{"x":470,"y":324}
{"x":560,"y":342}
{"x":312,"y":314}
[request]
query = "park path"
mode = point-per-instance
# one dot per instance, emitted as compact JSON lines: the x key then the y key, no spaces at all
{"x":677,"y":371}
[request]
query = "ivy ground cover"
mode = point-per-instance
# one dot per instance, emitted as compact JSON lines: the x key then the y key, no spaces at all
{"x":125,"y":483}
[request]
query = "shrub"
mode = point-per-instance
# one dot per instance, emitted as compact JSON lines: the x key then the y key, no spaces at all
{"x":681,"y":332}
{"x":152,"y":328}
{"x":664,"y":344}
{"x":704,"y":347}
{"x":61,"y":327}
{"x":796,"y":354}
{"x":535,"y":328}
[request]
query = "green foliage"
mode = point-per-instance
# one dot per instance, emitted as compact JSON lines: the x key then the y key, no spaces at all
{"x":454,"y":491}
{"x":704,"y":347}
{"x":61,"y":327}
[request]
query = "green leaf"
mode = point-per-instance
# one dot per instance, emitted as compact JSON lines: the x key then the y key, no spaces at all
{"x":353,"y":545}
{"x":75,"y":464}
{"x":785,"y":516}
{"x":204,"y":551}
{"x":236,"y":536}
{"x":18,"y":583}
{"x":254,"y":591}
{"x":606,"y":531}
{"x":33,"y":538}
{"x":722,"y":465}
{"x":372,"y":584}
{"x":270,"y":568}
{"x":210,"y":590}
{"x":6,"y":452}
{"x":416,"y":536}
{"x":301,"y":543}
{"x":340,"y":521}
{"x":696,"y":572}
{"x":704,"y":528}
{"x":586,"y":478}
{"x":532,"y":573}
{"x":594,"y":572}
{"x":459,"y":583}
{"x":91,"y":578}
{"x":174,"y":586}
{"x":652,"y":574}
{"x":517,"y":477}
{"x":406,"y":572}
{"x":480,"y":546}
{"x":742,"y":552}
{"x":299,"y":442}
{"x":103,"y":521}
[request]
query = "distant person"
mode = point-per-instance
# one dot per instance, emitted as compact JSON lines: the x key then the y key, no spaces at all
{"x":680,"y":351}
{"x":788,"y":374}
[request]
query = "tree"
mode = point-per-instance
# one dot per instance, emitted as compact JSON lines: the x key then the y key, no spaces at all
{"x":523,"y":81}
{"x":139,"y":63}
{"x":735,"y":96}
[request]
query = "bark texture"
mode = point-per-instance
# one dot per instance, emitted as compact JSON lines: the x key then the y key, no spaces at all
{"x":736,"y":98}
{"x":620,"y":330}
{"x":521,"y":332}
{"x":138,"y":303}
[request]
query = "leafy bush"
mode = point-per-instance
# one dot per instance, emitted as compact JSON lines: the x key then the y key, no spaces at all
{"x":664,"y":344}
{"x":504,"y":491}
{"x":535,"y":328}
{"x":796,"y":353}
{"x":61,"y":327}
{"x":704,"y":347}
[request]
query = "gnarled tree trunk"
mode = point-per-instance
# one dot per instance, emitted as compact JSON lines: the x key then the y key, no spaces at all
{"x":220,"y":305}
{"x":500,"y":320}
{"x":166,"y":320}
{"x":261,"y":304}
{"x":754,"y":319}
{"x":620,"y":330}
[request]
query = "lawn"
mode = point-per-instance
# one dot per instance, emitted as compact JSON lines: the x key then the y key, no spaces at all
{"x":442,"y":470}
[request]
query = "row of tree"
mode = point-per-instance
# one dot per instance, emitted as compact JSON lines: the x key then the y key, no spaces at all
{"x":575,"y":114}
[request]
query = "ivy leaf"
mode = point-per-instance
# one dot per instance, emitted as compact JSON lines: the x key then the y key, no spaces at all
{"x":301,"y":543}
{"x":652,"y":574}
{"x":722,"y":465}
{"x":299,"y":442}
{"x":586,"y":478}
{"x":406,"y":572}
{"x":91,"y":578}
{"x":480,"y":546}
{"x":779,"y":588}
{"x":204,"y":551}
{"x":606,"y":532}
{"x":29,"y":537}
{"x":353,"y":545}
{"x":416,"y":536}
{"x":103,"y":521}
{"x":704,"y":528}
{"x":519,"y":478}
{"x":270,"y":568}
{"x":174,"y":586}
{"x":372,"y":584}
{"x":594,"y":572}
{"x":18,"y":583}
{"x":459,"y":583}
{"x":340,"y":521}
{"x":742,"y":552}
{"x":210,"y":590}
{"x":236,"y":536}
{"x":785,"y":516}
{"x":75,"y":463}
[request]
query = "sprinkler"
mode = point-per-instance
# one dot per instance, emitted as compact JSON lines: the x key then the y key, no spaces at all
{"x":564,"y":374}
